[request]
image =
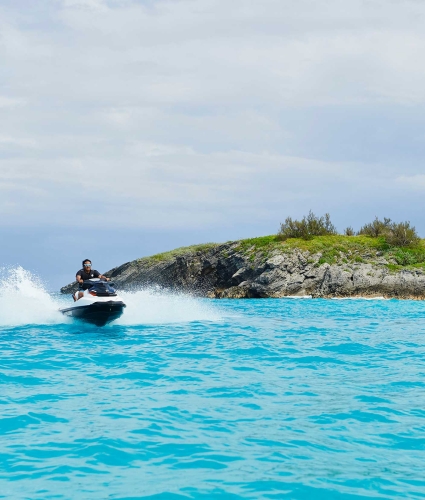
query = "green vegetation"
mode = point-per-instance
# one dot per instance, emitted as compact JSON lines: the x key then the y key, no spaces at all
{"x":334,"y":249}
{"x":307,"y":227}
{"x":400,"y":234}
{"x":260,"y":243}
{"x":340,"y":243}
{"x":160,"y":257}
{"x":381,"y":242}
{"x":410,"y":256}
{"x":376,"y":228}
{"x":261,"y":247}
{"x":339,"y":249}
{"x":403,"y":235}
{"x":396,"y":234}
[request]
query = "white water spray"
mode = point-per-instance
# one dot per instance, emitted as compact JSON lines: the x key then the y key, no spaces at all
{"x":158,"y":306}
{"x":24,"y":300}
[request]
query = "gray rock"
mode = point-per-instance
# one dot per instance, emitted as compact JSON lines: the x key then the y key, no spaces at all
{"x":225,"y":271}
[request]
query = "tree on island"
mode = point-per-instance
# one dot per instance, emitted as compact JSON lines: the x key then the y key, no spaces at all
{"x":395,"y":234}
{"x":306,"y":228}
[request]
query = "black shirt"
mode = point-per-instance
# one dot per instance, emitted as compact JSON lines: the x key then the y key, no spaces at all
{"x":86,"y":276}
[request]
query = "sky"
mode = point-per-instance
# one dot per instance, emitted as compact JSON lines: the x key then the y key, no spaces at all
{"x":131,"y":127}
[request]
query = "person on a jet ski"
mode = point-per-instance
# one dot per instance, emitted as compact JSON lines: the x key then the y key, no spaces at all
{"x":86,"y":273}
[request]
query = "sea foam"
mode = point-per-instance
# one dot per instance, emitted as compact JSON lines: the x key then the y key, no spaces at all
{"x":24,"y":300}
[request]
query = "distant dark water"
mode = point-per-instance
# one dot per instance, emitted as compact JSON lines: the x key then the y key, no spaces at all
{"x":304,"y":399}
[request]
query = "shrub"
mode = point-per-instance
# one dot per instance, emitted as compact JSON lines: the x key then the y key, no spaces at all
{"x":404,"y":258}
{"x":307,"y":227}
{"x":349,"y":231}
{"x":376,"y":228}
{"x":402,"y":235}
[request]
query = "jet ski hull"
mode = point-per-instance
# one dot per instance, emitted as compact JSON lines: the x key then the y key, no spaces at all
{"x":97,"y":313}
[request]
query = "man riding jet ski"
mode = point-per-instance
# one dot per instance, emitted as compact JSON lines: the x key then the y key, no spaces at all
{"x":84,"y":274}
{"x":96,"y":301}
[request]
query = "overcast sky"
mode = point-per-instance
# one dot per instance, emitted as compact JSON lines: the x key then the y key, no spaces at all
{"x":130,"y":127}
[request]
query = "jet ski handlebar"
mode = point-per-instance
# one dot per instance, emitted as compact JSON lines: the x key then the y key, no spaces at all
{"x":93,"y":282}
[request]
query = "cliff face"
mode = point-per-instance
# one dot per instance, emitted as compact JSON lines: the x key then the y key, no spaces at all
{"x":228,"y":271}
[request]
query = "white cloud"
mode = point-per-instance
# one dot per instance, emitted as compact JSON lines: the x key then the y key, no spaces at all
{"x":157,"y":185}
{"x":204,"y":112}
{"x":10,"y":102}
{"x":20,"y":142}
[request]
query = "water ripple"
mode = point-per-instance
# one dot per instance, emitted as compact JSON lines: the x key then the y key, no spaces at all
{"x":262,"y":399}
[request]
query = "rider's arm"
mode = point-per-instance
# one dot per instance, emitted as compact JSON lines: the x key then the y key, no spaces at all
{"x":98,"y":275}
{"x":79,"y":279}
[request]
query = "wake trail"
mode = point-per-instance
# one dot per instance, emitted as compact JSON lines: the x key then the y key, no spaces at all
{"x":24,"y":300}
{"x":158,"y":306}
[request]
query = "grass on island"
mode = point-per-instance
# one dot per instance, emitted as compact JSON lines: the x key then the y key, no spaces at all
{"x":161,"y":257}
{"x":337,"y":248}
{"x":334,"y":248}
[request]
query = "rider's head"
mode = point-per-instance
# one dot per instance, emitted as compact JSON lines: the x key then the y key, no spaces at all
{"x":86,"y":263}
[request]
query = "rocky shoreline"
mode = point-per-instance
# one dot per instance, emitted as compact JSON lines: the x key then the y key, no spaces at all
{"x":232,"y":271}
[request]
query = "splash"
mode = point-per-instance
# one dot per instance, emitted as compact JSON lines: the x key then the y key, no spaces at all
{"x":24,"y":300}
{"x":158,"y":306}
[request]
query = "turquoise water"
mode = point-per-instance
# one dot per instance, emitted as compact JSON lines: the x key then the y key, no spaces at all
{"x":197,"y":399}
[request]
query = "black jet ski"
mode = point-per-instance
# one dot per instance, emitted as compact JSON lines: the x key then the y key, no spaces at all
{"x":99,"y":305}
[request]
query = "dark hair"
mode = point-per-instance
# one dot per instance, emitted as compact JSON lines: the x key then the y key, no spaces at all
{"x":86,"y":260}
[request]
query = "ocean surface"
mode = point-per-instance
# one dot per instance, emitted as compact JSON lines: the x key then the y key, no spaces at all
{"x":186,"y":398}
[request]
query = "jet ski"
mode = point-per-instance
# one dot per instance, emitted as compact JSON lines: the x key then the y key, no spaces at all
{"x":99,"y":305}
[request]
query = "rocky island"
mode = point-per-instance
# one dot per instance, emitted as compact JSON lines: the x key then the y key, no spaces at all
{"x":323,"y":266}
